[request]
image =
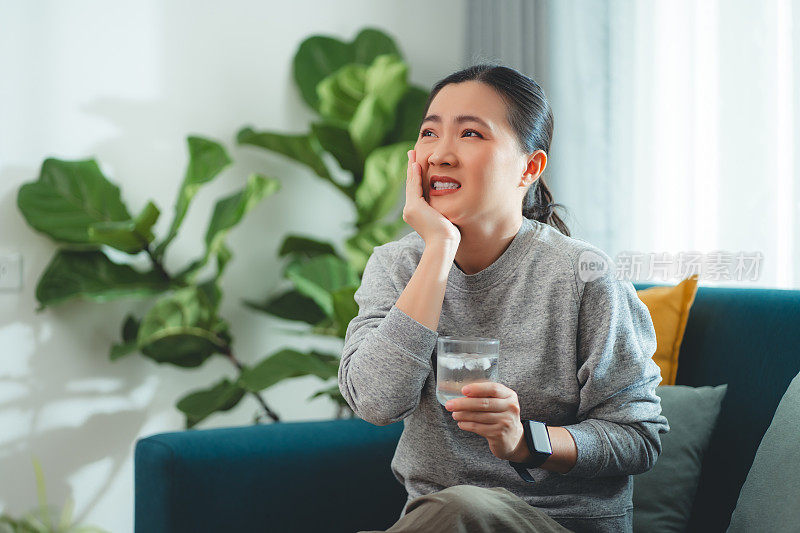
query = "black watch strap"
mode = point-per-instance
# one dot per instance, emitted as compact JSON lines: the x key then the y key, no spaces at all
{"x":538,"y":440}
{"x":523,"y":472}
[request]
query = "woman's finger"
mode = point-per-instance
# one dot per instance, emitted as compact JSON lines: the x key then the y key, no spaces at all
{"x":484,"y":430}
{"x":418,"y":177}
{"x":410,"y":191}
{"x":497,"y":405}
{"x":483,"y":418}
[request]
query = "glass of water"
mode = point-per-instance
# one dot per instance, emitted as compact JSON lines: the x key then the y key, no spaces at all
{"x":464,"y":360}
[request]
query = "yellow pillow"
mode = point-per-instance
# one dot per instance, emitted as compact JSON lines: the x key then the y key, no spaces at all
{"x":669,"y":309}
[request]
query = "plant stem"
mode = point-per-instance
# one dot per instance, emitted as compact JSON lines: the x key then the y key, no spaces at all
{"x":267,"y":410}
{"x":157,"y":264}
{"x":160,"y":268}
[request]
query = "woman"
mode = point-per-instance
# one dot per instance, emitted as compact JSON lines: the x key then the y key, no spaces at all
{"x":491,"y":259}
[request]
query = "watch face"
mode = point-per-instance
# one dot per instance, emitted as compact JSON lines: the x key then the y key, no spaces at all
{"x":541,"y":440}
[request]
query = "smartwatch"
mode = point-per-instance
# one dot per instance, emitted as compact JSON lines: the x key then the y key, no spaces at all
{"x":538,"y":441}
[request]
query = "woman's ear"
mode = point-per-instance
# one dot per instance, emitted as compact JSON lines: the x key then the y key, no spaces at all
{"x":536,"y":164}
{"x":528,"y":180}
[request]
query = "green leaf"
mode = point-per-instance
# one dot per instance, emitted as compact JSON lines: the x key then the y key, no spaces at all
{"x":121,"y":350}
{"x":119,"y":235}
{"x":327,"y":327}
{"x":41,"y":491}
{"x":341,"y":93}
{"x":364,"y":99}
{"x":228,"y":213}
{"x":223,"y":330}
{"x":207,"y":159}
{"x":68,"y":197}
{"x":345,"y":308}
{"x":130,"y":330}
{"x":185,"y":347}
{"x":358,"y":99}
{"x":319,"y":277}
{"x":93,"y":276}
{"x":199,"y":405}
{"x":187,"y":275}
{"x":359,"y":247}
{"x":285,"y":364}
{"x":130,"y":236}
{"x":371,"y":43}
{"x":332,"y":392}
{"x":384,"y":179}
{"x":316,"y":58}
{"x":65,"y":521}
{"x":307,"y":247}
{"x":8,"y":524}
{"x":212,"y":293}
{"x":290,"y":305}
{"x":369,"y":125}
{"x":146,"y":220}
{"x":409,"y":117}
{"x":304,"y":149}
{"x":336,"y":140}
{"x":320,"y":56}
{"x":224,"y":256}
{"x":387,"y":80}
{"x":180,"y":329}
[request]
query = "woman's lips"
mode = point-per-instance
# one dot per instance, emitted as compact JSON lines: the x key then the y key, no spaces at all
{"x":443,"y":192}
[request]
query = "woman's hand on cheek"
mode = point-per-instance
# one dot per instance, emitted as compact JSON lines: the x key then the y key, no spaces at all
{"x":492,"y":411}
{"x":431,"y":225}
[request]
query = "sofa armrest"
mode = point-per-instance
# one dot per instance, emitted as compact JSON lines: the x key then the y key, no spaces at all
{"x":331,"y":475}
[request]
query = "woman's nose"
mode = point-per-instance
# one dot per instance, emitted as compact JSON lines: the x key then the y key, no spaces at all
{"x":441,"y":154}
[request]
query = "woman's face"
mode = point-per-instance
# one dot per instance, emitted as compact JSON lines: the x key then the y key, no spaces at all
{"x":483,"y":157}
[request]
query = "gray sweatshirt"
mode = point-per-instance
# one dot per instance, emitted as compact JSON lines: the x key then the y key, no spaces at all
{"x":576,"y":350}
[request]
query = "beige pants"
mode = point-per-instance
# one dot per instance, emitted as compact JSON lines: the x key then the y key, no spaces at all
{"x":470,"y":509}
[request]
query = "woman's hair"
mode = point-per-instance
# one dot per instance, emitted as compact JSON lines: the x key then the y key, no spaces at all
{"x":531,"y":119}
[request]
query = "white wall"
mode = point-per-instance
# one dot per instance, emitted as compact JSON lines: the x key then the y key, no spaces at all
{"x":126,"y":82}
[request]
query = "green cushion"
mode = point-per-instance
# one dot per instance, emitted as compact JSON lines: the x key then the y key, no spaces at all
{"x":663,"y":496}
{"x":770,"y":496}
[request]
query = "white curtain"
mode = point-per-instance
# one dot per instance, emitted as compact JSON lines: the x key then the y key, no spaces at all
{"x":676,"y":127}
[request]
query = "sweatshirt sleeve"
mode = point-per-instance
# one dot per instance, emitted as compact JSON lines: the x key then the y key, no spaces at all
{"x":619,"y":415}
{"x":387,"y":354}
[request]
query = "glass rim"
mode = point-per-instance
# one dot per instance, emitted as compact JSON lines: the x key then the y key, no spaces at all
{"x":459,"y":338}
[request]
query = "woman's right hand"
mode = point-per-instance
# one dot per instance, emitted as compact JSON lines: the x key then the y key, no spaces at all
{"x":431,"y":225}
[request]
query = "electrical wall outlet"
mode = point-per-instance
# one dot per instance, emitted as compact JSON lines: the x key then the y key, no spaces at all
{"x":10,"y":272}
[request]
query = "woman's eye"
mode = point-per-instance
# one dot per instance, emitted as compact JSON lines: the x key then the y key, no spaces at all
{"x":465,"y":131}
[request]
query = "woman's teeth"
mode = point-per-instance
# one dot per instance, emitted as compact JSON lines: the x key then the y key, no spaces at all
{"x":438,"y":186}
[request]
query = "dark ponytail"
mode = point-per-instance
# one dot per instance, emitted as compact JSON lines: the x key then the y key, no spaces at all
{"x":538,"y":205}
{"x":531,"y":119}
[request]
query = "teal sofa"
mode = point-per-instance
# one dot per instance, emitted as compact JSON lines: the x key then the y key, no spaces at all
{"x":334,"y":475}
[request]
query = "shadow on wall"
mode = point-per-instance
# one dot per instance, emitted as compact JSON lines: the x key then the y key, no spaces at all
{"x":59,"y":419}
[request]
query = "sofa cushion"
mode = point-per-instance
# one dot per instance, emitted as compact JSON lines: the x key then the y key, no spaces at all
{"x":770,"y":496}
{"x":669,"y":309}
{"x":662,"y":496}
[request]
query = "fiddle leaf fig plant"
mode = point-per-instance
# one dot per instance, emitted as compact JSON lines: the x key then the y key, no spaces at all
{"x":74,"y":204}
{"x":368,"y":118}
